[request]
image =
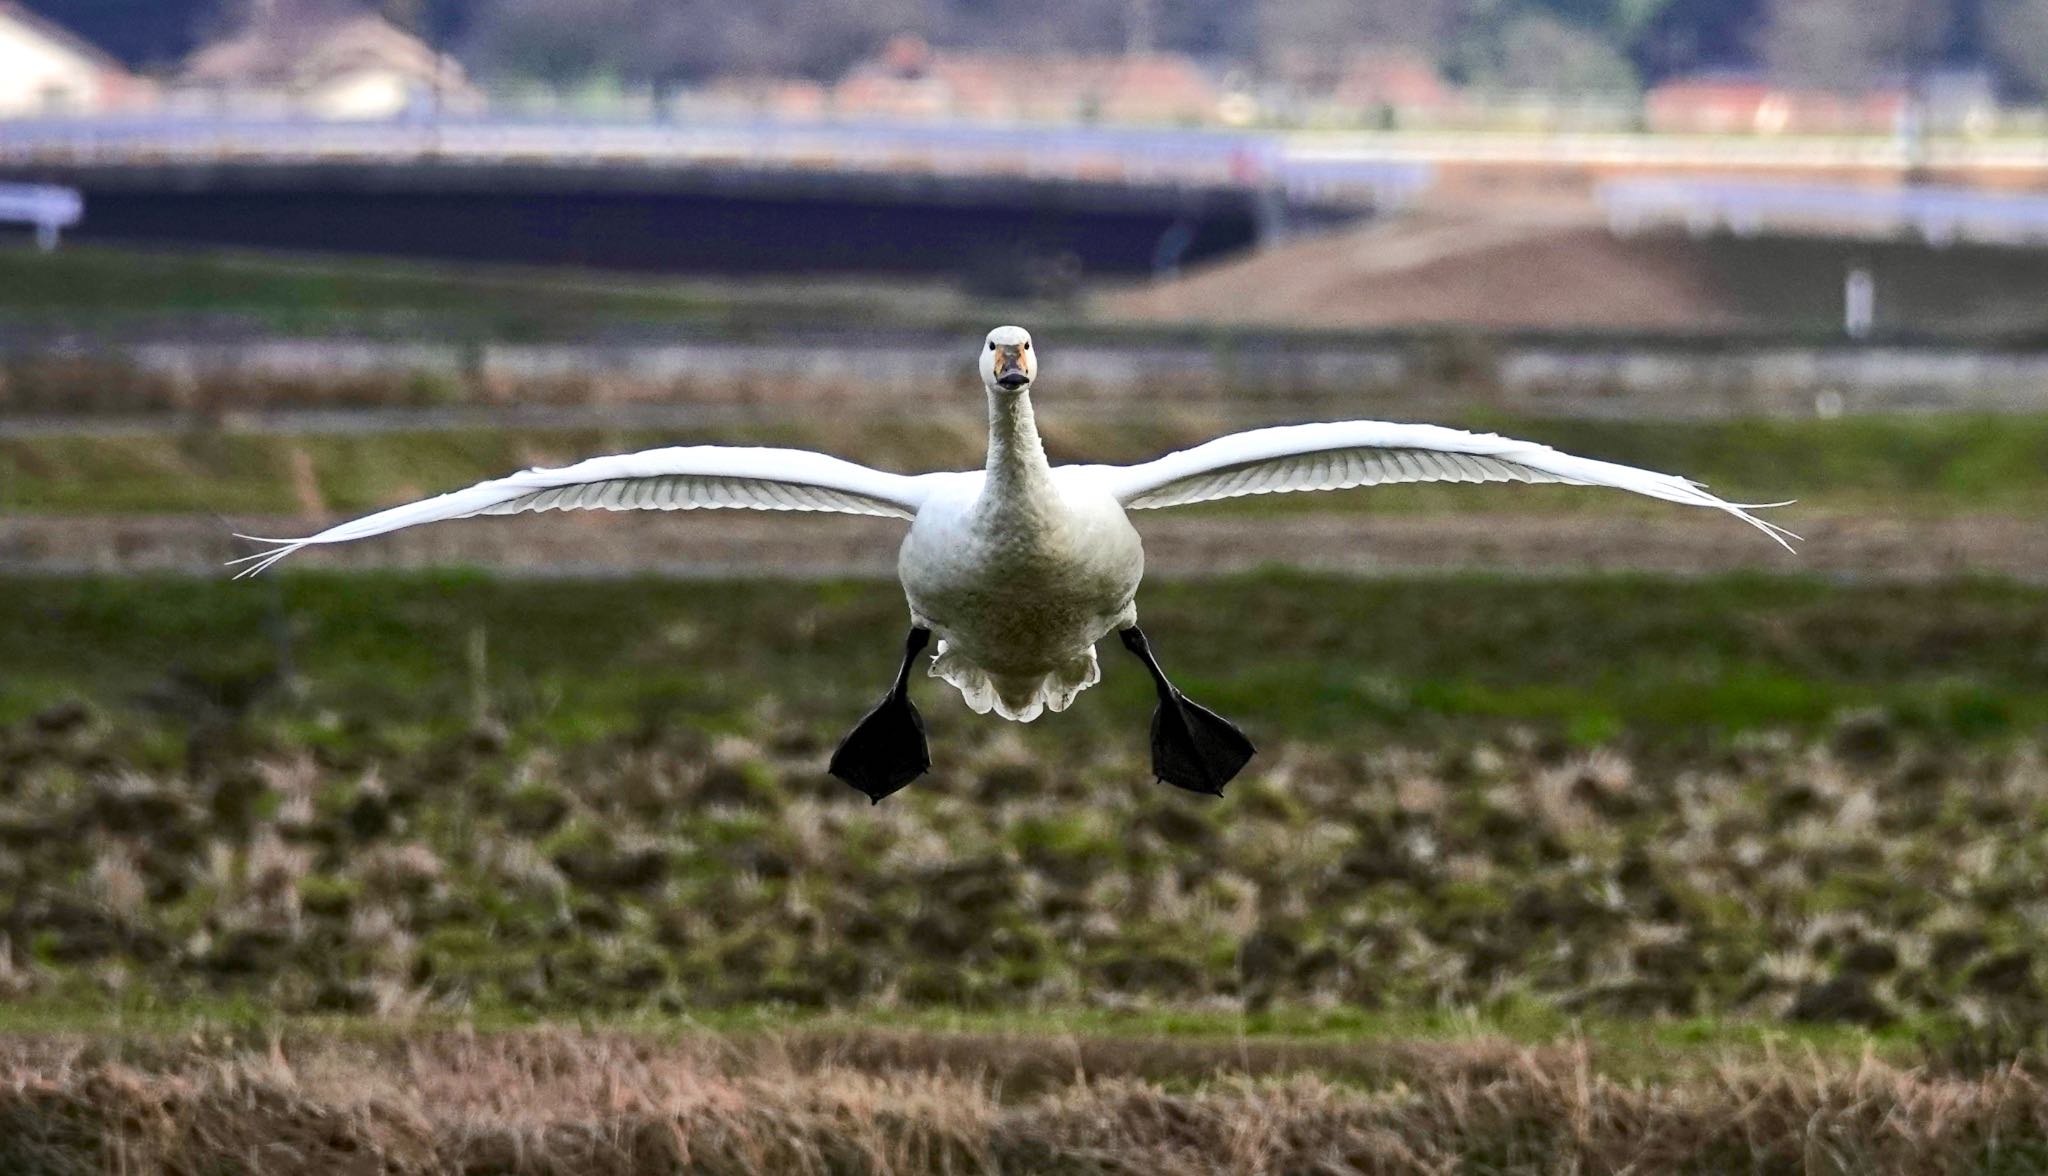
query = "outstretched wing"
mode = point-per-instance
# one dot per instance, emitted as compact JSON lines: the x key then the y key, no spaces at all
{"x":695,"y":477}
{"x":1338,"y":455}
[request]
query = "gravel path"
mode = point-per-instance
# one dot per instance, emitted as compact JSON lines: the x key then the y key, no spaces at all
{"x":717,"y":545}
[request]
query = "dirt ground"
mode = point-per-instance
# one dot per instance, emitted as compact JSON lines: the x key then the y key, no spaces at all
{"x":717,"y":545}
{"x":1548,"y":269}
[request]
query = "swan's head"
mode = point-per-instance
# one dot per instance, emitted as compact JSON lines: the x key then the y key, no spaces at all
{"x":1007,"y":361}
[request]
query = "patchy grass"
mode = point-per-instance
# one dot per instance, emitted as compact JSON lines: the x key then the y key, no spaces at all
{"x":400,"y":796}
{"x":1933,"y":465}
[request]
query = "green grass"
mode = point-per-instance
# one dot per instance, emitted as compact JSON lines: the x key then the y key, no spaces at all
{"x":100,"y":279}
{"x":1925,"y":466}
{"x":99,"y":284}
{"x":1335,"y":658}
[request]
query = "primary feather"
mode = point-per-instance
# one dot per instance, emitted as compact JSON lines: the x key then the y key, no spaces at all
{"x":696,"y":477}
{"x":1338,"y":455}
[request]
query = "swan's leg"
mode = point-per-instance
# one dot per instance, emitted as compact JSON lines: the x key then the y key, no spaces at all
{"x":1193,"y":747}
{"x":887,"y":750}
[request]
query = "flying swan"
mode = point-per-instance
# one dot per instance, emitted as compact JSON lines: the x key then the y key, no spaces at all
{"x":1020,"y":568}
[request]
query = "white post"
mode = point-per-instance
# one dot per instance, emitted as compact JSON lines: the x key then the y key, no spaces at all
{"x":1859,"y":302}
{"x":46,"y":235}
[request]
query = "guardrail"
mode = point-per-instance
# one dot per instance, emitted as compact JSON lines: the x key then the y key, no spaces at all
{"x":49,"y":208}
{"x":1938,"y":216}
{"x":1139,"y":155}
{"x":1384,"y":167}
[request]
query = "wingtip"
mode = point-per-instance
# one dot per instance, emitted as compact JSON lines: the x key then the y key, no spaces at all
{"x":261,"y":561}
{"x":1782,"y":536}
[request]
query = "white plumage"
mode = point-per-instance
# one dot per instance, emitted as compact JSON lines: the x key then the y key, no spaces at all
{"x":684,"y":477}
{"x":1339,"y":455}
{"x":1020,"y":568}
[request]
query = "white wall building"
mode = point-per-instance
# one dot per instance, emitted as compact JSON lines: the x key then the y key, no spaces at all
{"x":352,"y":66}
{"x":45,"y":69}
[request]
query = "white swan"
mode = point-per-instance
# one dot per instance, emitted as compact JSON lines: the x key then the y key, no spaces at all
{"x":1021,"y":567}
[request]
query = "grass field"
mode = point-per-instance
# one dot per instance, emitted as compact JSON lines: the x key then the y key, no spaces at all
{"x":1612,"y":798}
{"x":1926,"y":466}
{"x":439,"y":874}
{"x":105,"y":284}
{"x":1342,"y":661}
{"x":442,"y":873}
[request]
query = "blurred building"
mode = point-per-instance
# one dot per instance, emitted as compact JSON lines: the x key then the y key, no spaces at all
{"x":1747,"y":104}
{"x":1959,"y":100}
{"x":911,"y":79}
{"x":46,"y":69}
{"x":1401,"y":79}
{"x":1382,"y":86}
{"x":353,"y":65}
{"x":785,"y":98}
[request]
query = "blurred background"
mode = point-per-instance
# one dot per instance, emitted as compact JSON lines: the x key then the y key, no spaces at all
{"x":1531,"y":757}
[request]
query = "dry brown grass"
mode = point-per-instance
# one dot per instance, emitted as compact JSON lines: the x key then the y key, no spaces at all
{"x":556,"y":1102}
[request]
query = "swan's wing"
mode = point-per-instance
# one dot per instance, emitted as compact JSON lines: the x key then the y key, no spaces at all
{"x":692,"y":477}
{"x":1340,"y":454}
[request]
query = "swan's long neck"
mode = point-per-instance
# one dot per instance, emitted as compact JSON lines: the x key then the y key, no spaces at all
{"x":1018,"y":476}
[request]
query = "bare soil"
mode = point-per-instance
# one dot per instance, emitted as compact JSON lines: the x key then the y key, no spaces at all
{"x":714,"y":545}
{"x":1547,"y":270}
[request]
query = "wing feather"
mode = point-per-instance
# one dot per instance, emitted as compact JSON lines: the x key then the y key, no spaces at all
{"x":1337,"y":455}
{"x":706,"y":477}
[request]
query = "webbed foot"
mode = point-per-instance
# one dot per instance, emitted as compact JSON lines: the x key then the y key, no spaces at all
{"x":1195,"y":748}
{"x":886,"y":751}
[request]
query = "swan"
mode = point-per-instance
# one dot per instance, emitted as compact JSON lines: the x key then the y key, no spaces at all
{"x":1019,"y":568}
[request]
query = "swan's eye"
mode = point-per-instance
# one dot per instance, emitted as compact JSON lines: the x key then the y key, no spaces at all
{"x":1027,"y":347}
{"x":991,"y":344}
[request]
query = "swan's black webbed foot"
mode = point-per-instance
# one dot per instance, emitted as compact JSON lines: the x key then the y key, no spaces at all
{"x":1193,"y":747}
{"x":887,"y":750}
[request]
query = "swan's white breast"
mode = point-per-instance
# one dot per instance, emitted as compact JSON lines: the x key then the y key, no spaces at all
{"x":1022,"y":588}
